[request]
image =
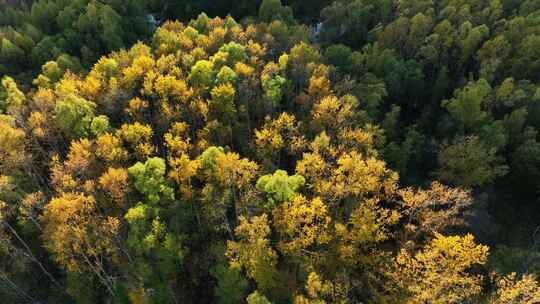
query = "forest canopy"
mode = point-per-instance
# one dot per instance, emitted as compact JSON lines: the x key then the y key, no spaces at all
{"x":268,"y":152}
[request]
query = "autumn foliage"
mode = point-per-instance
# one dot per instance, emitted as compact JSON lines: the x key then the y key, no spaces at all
{"x":227,"y":162}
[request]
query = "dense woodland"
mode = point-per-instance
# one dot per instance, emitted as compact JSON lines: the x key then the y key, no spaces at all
{"x":347,"y":151}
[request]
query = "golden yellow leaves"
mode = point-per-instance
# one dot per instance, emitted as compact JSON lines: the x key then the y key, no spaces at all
{"x":136,"y":108}
{"x":319,"y":85}
{"x":316,"y":290}
{"x":138,"y":69}
{"x":315,"y":168}
{"x":139,"y":137}
{"x":44,"y":100}
{"x":37,"y":122}
{"x":351,"y":175}
{"x":171,"y":91}
{"x":368,"y":225}
{"x":12,"y":146}
{"x":169,"y":87}
{"x":230,"y":169}
{"x":280,"y":134}
{"x":177,"y":139}
{"x":243,"y":69}
{"x":76,"y":233}
{"x":253,"y":252}
{"x":80,"y":156}
{"x":182,"y":171}
{"x":512,"y":290}
{"x":332,"y":113}
{"x":115,"y":184}
{"x":303,"y":223}
{"x":433,"y":210}
{"x":440,"y":273}
{"x":266,"y":138}
{"x":359,"y":177}
{"x":362,"y":140}
{"x":217,"y":37}
{"x":91,"y":87}
{"x":74,"y":174}
{"x":179,"y":147}
{"x":110,"y":148}
{"x":68,"y":85}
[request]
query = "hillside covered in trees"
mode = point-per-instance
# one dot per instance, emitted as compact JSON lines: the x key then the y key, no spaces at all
{"x":306,"y":152}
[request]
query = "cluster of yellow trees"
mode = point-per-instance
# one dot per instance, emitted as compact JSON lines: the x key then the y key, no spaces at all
{"x":228,"y":161}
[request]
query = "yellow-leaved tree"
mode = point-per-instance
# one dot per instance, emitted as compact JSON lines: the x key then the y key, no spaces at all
{"x":443,"y":271}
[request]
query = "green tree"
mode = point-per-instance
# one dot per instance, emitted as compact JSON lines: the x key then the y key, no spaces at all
{"x":231,"y":286}
{"x":468,"y":162}
{"x":9,"y":52}
{"x":273,"y":10}
{"x":201,"y":74}
{"x":466,"y":108}
{"x":257,"y":298}
{"x":73,"y":115}
{"x":279,"y":186}
{"x":340,"y":56}
{"x":149,"y":180}
{"x":14,"y":98}
{"x":100,"y":125}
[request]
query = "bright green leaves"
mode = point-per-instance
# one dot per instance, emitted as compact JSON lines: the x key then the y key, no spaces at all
{"x":228,"y":55}
{"x":257,"y":298}
{"x":149,"y":180}
{"x":273,"y":89}
{"x":201,"y":74}
{"x":52,"y":71}
{"x":235,"y":52}
{"x":107,"y":67}
{"x":73,"y":115}
{"x":467,"y":104}
{"x":148,"y":232}
{"x":272,"y":82}
{"x":150,"y":240}
{"x":208,"y":157}
{"x":158,"y":251}
{"x":137,"y":218}
{"x":279,"y":187}
{"x":100,"y":125}
{"x":226,"y":76}
{"x":13,"y":98}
